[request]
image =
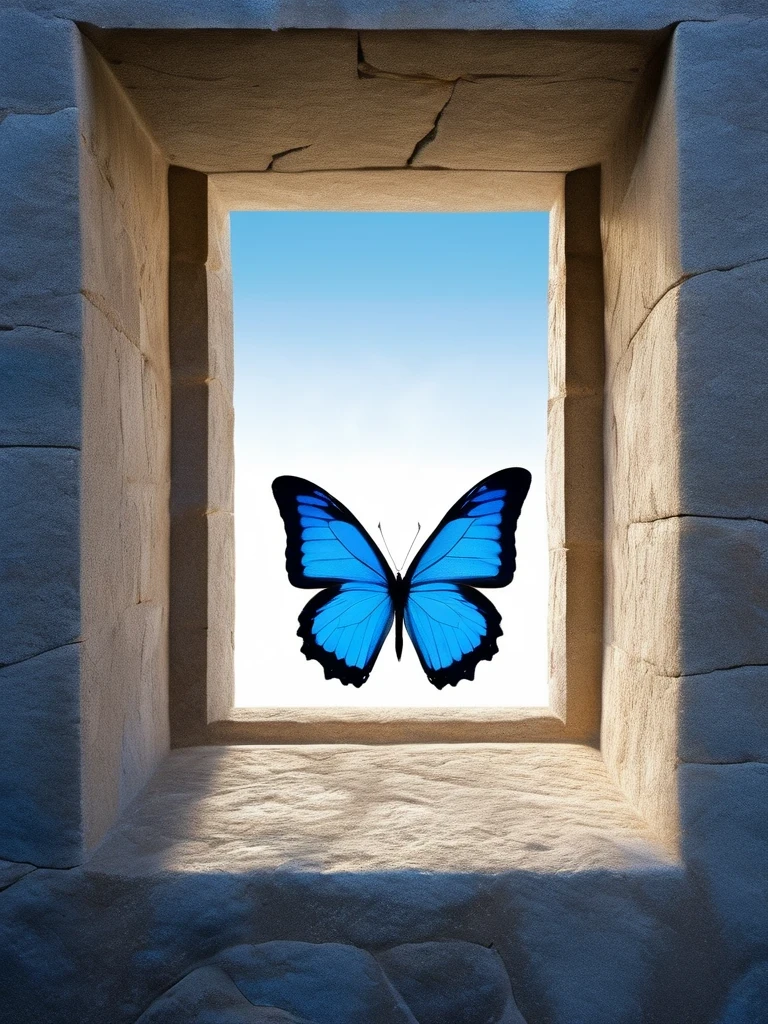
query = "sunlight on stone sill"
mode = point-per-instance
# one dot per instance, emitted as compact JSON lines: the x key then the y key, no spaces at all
{"x":479,"y":808}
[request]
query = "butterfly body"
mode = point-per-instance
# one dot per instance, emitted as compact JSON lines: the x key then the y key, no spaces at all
{"x":452,"y":625}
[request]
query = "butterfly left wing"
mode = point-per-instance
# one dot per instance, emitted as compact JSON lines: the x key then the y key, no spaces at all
{"x":452,"y":626}
{"x":345,"y":625}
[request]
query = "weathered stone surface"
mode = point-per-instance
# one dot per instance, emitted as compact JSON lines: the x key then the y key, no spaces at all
{"x":723,"y":716}
{"x":720,"y":76}
{"x":366,"y":809}
{"x":36,"y":73}
{"x":40,"y":759}
{"x":747,"y":1001}
{"x":41,"y":374}
{"x":397,"y":190}
{"x":640,"y":219}
{"x":705,"y":142}
{"x":228,"y":848}
{"x":721,"y":379}
{"x":639,"y":737}
{"x":259,"y":114}
{"x":40,"y":269}
{"x":39,"y":556}
{"x":687,"y":424}
{"x":327,"y":983}
{"x":452,"y":981}
{"x":209,"y":996}
{"x":126,"y":449}
{"x":689,"y":594}
{"x":497,"y":14}
{"x":526,"y":124}
{"x":724,"y":820}
{"x":11,"y":871}
{"x":724,"y":594}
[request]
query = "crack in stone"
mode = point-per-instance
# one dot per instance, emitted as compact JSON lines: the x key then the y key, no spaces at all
{"x":368,"y":70}
{"x":700,"y":515}
{"x":657,"y":670}
{"x":283,"y":153}
{"x":39,"y":327}
{"x":676,"y":284}
{"x":99,"y":303}
{"x":39,"y":654}
{"x":170,"y":74}
{"x":54,"y":447}
{"x":431,"y":135}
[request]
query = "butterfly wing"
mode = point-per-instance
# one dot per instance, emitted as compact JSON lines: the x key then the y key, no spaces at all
{"x":344,"y":629}
{"x":345,"y":625}
{"x":452,"y":626}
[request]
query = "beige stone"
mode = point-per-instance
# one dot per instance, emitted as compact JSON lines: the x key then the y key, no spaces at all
{"x":399,"y":190}
{"x":526,"y":124}
{"x":431,"y":808}
{"x":232,"y":102}
{"x":126,"y":450}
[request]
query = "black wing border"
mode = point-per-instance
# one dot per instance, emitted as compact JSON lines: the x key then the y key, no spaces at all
{"x":286,"y":490}
{"x":517,"y":482}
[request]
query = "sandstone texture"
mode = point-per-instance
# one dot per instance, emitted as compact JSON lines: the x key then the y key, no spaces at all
{"x":508,"y":851}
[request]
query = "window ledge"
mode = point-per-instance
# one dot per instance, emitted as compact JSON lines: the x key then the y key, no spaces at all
{"x":479,"y":809}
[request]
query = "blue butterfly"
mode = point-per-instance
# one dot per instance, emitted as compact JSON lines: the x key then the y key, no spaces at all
{"x":452,"y":626}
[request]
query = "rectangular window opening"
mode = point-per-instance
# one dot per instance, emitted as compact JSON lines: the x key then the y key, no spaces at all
{"x":394,"y":359}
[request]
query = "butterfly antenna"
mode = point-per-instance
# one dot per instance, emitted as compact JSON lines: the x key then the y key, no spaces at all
{"x":387,"y":548}
{"x":418,"y":528}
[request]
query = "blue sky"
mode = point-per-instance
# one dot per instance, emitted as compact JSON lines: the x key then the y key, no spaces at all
{"x":395,"y":359}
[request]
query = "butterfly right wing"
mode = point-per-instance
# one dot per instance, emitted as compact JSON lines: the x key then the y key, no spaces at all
{"x":344,"y":626}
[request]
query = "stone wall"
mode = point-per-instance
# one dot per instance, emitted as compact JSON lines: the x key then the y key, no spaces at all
{"x":126,"y":430}
{"x":680,"y":916}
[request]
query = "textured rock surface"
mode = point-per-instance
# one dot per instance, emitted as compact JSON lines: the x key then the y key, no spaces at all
{"x":39,"y":271}
{"x":330,"y":983}
{"x":39,"y":554}
{"x":350,"y":809}
{"x":496,"y":14}
{"x":515,"y":847}
{"x":237,"y":104}
{"x":126,"y":449}
{"x":40,"y":759}
{"x":12,"y":871}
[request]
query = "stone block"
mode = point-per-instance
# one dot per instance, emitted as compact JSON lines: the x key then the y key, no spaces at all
{"x":326,"y":983}
{"x":642,"y":440}
{"x":419,"y":14}
{"x":724,"y":821}
{"x":720,"y":72}
{"x":723,"y":716}
{"x":690,"y":594}
{"x":723,"y":595}
{"x":283,"y":101}
{"x":41,"y":374}
{"x":526,"y":124}
{"x":39,"y":185}
{"x":747,"y":1002}
{"x":721,"y":384}
{"x":687,"y":424}
{"x":40,"y":759}
{"x":12,"y":871}
{"x":643,"y":569}
{"x":40,"y":553}
{"x":452,"y":981}
{"x":209,"y":996}
{"x":36,"y":73}
{"x":639,"y":737}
